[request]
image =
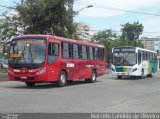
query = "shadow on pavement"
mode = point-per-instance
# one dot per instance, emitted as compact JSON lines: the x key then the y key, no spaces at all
{"x":131,"y":78}
{"x":52,"y":85}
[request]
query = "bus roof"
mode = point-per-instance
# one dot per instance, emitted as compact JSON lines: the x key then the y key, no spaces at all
{"x":61,"y":39}
{"x":138,"y":48}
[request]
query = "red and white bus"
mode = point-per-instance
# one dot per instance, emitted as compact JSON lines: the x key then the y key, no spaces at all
{"x":46,"y":58}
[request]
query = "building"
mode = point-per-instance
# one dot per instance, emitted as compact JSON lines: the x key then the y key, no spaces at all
{"x":151,"y":43}
{"x":82,"y":31}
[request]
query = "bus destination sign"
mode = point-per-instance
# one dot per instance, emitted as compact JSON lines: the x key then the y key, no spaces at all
{"x":124,"y":49}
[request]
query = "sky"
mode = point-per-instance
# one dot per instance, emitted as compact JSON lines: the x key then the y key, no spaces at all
{"x":104,"y":16}
{"x":107,"y":14}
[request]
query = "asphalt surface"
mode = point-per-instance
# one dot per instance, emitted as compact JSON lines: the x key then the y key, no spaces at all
{"x":108,"y":94}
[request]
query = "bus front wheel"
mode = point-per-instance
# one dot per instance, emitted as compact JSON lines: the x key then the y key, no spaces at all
{"x":62,"y":79}
{"x":30,"y":84}
{"x":119,"y":77}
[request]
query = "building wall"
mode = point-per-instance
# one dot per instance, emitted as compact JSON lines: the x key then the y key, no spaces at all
{"x":151,"y":43}
{"x":82,"y":31}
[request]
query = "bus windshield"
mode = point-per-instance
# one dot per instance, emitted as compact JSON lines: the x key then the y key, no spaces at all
{"x":124,"y":59}
{"x":27,"y":53}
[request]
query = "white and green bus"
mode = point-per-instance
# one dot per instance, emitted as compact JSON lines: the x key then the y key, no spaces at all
{"x":133,"y":61}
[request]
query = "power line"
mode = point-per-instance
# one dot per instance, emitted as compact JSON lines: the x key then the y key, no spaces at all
{"x":144,"y":13}
{"x":147,"y":32}
{"x":104,"y":7}
{"x":7,"y":7}
{"x":119,"y":9}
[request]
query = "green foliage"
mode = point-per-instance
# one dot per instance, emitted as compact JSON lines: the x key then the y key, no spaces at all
{"x":8,"y":27}
{"x":108,"y":39}
{"x":130,"y":37}
{"x":46,"y":16}
{"x":131,"y":33}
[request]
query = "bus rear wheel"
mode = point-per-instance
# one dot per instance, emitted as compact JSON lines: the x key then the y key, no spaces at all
{"x":93,"y":77}
{"x":30,"y":84}
{"x":151,"y":73}
{"x":62,"y":79}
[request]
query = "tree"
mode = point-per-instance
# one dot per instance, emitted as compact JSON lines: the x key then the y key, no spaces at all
{"x":9,"y":26}
{"x":46,"y":16}
{"x":108,"y":39}
{"x":131,"y":33}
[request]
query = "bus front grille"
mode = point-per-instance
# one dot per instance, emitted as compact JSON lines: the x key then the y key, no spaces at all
{"x":123,"y":69}
{"x":28,"y":78}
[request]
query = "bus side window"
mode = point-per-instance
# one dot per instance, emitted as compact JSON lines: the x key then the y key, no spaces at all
{"x":75,"y":51}
{"x":53,"y":52}
{"x":152,"y":56}
{"x":102,"y":54}
{"x":71,"y":50}
{"x":80,"y":51}
{"x":65,"y":51}
{"x":147,"y":55}
{"x":84,"y":52}
{"x":139,"y":57}
{"x":96,"y":54}
{"x":88,"y":53}
{"x":91,"y":53}
{"x":155,"y":56}
{"x":144,"y":55}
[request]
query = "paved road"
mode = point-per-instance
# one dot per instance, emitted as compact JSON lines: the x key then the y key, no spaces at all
{"x":106,"y":95}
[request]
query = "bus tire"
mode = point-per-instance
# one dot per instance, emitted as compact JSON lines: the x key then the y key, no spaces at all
{"x":93,"y":77}
{"x":62,"y":79}
{"x":119,"y":77}
{"x":30,"y":84}
{"x":142,"y":74}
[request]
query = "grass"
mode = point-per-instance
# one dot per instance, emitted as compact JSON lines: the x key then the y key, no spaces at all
{"x":3,"y":74}
{"x":3,"y":70}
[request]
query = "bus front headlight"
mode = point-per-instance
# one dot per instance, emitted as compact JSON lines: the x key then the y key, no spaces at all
{"x":135,"y":69}
{"x":10,"y":72}
{"x":42,"y":71}
{"x":113,"y":69}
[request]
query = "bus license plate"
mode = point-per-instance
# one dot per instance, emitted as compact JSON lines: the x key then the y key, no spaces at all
{"x":23,"y":77}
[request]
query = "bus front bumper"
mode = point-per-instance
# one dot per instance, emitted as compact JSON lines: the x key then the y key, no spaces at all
{"x":26,"y":76}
